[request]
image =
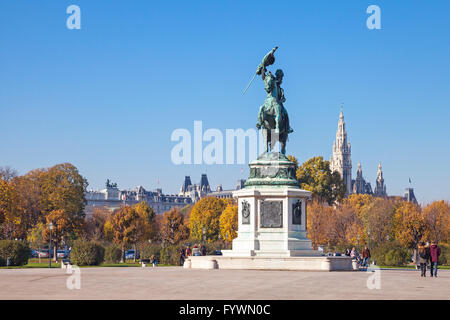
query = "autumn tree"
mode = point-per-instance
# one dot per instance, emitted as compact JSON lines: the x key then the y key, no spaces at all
{"x":63,"y":188}
{"x":378,"y":220}
{"x":35,"y":236}
{"x":62,"y":227}
{"x":173,"y":229}
{"x":294,"y":160}
{"x":326,"y":186}
{"x":30,"y":198}
{"x":317,"y":223}
{"x":229,"y":222}
{"x":124,"y":227}
{"x":10,"y":213}
{"x":95,"y":224}
{"x":7,"y":173}
{"x":409,"y":224}
{"x":205,"y":217}
{"x":145,"y":225}
{"x":341,"y":225}
{"x":437,"y":221}
{"x":359,"y":202}
{"x":108,"y":228}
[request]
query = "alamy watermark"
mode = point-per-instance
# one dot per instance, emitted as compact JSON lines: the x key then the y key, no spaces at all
{"x":235,"y":146}
{"x":374,"y":280}
{"x":73,"y":281}
{"x":74,"y":20}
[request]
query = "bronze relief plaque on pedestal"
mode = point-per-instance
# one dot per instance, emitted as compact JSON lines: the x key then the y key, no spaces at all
{"x":245,"y":212}
{"x":271,"y":214}
{"x":297,"y":212}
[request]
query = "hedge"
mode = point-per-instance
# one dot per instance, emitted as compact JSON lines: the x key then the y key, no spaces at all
{"x":113,"y":253}
{"x":148,"y":249}
{"x":391,"y":254}
{"x":18,"y":252}
{"x":86,"y":253}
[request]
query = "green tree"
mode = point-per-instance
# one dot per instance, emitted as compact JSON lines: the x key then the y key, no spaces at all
{"x":326,"y":186}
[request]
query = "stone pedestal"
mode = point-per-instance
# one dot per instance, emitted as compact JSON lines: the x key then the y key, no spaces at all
{"x":272,"y":218}
{"x":272,"y":223}
{"x":272,"y":211}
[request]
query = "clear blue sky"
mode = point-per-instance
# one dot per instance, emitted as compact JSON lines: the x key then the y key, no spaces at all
{"x":107,"y":97}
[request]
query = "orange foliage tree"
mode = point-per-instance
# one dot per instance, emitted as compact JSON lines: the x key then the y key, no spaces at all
{"x":437,"y":221}
{"x":62,"y":227}
{"x":409,"y":224}
{"x":229,"y":222}
{"x":205,"y":217}
{"x":173,"y":229}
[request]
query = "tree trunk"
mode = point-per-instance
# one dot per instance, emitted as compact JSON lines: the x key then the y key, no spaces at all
{"x":135,"y":252}
{"x":122,"y":256}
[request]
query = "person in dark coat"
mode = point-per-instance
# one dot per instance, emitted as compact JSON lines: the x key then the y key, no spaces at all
{"x":366,"y":256}
{"x":182,"y":256}
{"x":188,"y":251}
{"x":424,"y":256}
{"x":203,"y":250}
{"x":435,"y":252}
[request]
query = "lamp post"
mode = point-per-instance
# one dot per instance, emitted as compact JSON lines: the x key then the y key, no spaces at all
{"x":50,"y":226}
{"x":368,"y":239}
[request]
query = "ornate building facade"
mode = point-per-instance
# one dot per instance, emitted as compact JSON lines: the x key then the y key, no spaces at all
{"x":341,"y":160}
{"x":112,"y":198}
{"x":380,"y":188}
{"x":195,"y":191}
{"x":359,"y":185}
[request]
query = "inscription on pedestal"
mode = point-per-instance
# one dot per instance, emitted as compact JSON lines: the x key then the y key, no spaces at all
{"x":271,"y":213}
{"x":245,"y":212}
{"x":297,"y":212}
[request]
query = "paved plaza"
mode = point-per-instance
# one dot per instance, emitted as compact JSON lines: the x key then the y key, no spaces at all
{"x":178,"y":283}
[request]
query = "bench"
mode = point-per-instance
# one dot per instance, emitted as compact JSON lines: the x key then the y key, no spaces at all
{"x":144,"y":262}
{"x":65,"y":263}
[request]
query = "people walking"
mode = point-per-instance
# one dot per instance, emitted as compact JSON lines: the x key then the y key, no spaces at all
{"x":366,"y":256}
{"x":423,"y":259}
{"x":435,"y":252}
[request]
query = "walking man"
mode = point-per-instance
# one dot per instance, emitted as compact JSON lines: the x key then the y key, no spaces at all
{"x":366,"y":257}
{"x":435,"y":252}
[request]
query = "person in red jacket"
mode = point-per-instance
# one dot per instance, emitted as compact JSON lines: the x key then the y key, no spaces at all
{"x":435,"y":252}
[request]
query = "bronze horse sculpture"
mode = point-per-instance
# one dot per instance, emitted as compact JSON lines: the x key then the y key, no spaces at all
{"x":273,"y":118}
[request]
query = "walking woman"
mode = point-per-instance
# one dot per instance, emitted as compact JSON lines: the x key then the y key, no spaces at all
{"x":424,"y":256}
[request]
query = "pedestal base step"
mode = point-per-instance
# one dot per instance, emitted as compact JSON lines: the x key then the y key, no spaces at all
{"x":274,"y":253}
{"x":322,"y":263}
